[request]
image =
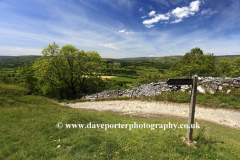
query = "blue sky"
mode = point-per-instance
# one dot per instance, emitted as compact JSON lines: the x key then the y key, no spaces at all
{"x":121,"y":28}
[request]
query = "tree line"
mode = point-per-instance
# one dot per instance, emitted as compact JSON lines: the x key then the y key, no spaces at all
{"x":195,"y":62}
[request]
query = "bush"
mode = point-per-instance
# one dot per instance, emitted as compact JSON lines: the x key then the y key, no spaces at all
{"x":148,"y":77}
{"x":5,"y":79}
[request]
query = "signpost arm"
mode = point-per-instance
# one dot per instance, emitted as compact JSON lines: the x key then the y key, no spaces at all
{"x":192,"y":107}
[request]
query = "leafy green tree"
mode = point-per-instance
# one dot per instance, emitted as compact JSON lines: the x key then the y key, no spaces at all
{"x":26,"y":78}
{"x":235,"y":69}
{"x":4,"y":78}
{"x":66,"y":73}
{"x":148,"y":77}
{"x":224,"y":66}
{"x":195,"y":62}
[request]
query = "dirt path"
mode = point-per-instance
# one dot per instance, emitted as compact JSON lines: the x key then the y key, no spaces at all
{"x":220,"y":116}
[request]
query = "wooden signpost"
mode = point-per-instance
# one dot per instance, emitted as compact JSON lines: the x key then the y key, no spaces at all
{"x":192,"y":82}
{"x":187,"y":81}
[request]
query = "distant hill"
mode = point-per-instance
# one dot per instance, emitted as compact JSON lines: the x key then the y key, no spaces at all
{"x":169,"y":59}
{"x":135,"y":59}
{"x":7,"y":59}
{"x":15,"y":61}
{"x":231,"y":57}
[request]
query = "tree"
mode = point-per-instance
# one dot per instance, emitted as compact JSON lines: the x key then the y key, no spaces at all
{"x":65,"y":73}
{"x":26,"y":78}
{"x":4,"y":78}
{"x":224,"y":66}
{"x":148,"y":77}
{"x":235,"y":69}
{"x":195,"y":62}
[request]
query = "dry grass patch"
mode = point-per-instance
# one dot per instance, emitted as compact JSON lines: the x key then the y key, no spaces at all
{"x":108,"y":77}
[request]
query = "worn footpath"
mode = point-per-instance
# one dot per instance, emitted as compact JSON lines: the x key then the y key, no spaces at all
{"x":230,"y":118}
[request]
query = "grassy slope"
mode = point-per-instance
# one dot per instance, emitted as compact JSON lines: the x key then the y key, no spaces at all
{"x":28,"y":129}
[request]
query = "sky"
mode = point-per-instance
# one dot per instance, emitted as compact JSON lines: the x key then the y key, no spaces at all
{"x":121,"y":28}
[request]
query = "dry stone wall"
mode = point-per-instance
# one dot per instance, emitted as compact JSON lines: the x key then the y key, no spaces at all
{"x":210,"y":84}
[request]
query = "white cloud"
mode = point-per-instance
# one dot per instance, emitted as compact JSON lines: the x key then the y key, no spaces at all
{"x":143,"y":16}
{"x":156,"y":19}
{"x":140,"y":9}
{"x":149,"y":25}
{"x":194,"y":6}
{"x":109,"y":46}
{"x":181,"y":12}
{"x":152,"y":13}
{"x":176,"y":14}
{"x":208,"y":11}
{"x":186,"y":11}
{"x":176,"y":21}
{"x":122,"y":31}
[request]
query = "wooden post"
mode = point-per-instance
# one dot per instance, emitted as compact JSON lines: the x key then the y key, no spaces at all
{"x":192,"y":108}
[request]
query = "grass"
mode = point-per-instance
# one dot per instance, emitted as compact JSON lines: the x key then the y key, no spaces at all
{"x":28,"y":130}
{"x":124,"y":79}
{"x":108,"y":77}
{"x":221,"y":99}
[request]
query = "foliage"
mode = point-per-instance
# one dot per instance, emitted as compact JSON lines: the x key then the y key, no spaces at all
{"x":68,"y":72}
{"x":148,"y":77}
{"x":16,"y":61}
{"x":229,"y":68}
{"x":224,"y":66}
{"x":26,"y":78}
{"x":114,"y":85}
{"x":235,"y":70}
{"x":4,"y":78}
{"x":195,"y":62}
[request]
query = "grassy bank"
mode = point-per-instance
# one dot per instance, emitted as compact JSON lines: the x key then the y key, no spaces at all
{"x":28,"y":130}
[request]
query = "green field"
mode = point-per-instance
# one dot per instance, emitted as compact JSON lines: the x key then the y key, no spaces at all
{"x":124,"y":79}
{"x":28,"y":131}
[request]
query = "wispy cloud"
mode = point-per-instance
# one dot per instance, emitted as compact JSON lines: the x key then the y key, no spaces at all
{"x":208,"y":11}
{"x":162,"y":2}
{"x":6,"y":50}
{"x":149,"y":25}
{"x":131,"y":32}
{"x":109,"y":46}
{"x":122,"y":31}
{"x":176,"y":21}
{"x":156,"y":19}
